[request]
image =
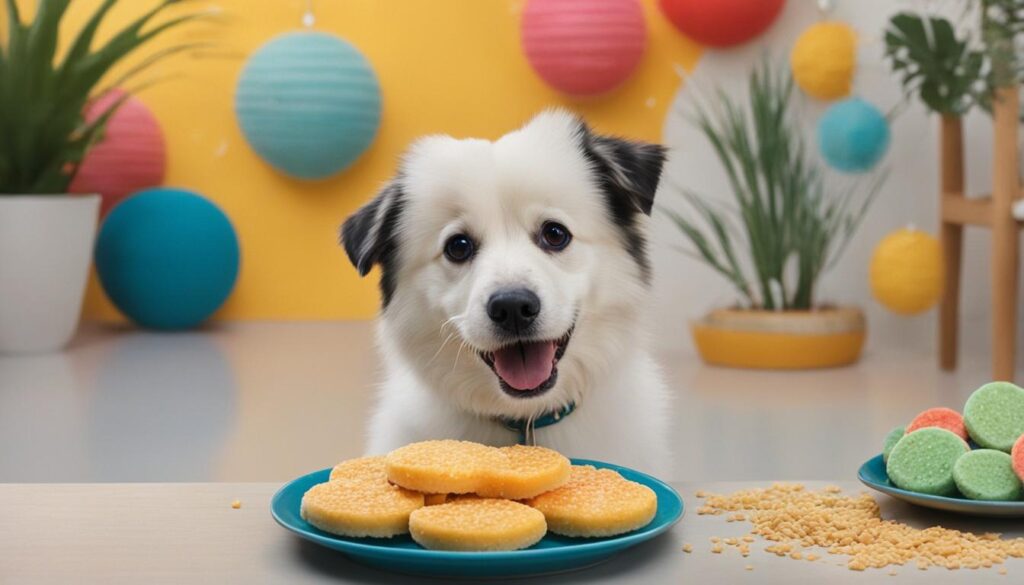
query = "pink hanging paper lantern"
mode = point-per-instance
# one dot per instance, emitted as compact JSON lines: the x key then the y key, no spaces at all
{"x":584,"y":47}
{"x":132,"y":155}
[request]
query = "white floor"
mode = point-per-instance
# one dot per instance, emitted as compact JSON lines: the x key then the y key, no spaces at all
{"x":269,"y":401}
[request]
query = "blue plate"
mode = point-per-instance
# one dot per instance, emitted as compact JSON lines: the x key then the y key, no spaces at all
{"x":553,"y":554}
{"x":873,"y":475}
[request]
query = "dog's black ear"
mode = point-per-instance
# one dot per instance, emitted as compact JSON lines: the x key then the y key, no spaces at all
{"x":368,"y":234}
{"x":629,"y":170}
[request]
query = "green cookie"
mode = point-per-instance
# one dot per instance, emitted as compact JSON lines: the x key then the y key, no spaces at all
{"x":987,"y":474}
{"x":891,"y":439}
{"x":923,"y":461}
{"x":994,"y":415}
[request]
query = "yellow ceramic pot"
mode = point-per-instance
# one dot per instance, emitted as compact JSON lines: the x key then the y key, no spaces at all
{"x":780,"y":340}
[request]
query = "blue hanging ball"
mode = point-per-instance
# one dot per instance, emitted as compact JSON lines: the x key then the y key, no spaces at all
{"x":308,"y":103}
{"x":853,"y":135}
{"x":167,"y":258}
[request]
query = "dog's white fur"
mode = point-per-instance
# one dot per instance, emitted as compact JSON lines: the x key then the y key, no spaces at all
{"x":430,"y":333}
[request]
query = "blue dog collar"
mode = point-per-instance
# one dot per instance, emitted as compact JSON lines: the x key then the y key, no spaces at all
{"x":526,"y":427}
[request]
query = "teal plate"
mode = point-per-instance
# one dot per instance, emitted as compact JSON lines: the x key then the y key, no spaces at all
{"x":873,"y":475}
{"x":553,"y":554}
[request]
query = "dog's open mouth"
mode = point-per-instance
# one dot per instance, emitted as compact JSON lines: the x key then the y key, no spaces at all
{"x":527,"y":368}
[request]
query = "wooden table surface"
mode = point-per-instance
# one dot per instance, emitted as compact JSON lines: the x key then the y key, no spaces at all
{"x":189,"y":533}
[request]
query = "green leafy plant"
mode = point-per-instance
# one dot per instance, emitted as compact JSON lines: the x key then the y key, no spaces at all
{"x":43,"y":134}
{"x":782,"y":217}
{"x":942,"y":68}
{"x":933,"y":62}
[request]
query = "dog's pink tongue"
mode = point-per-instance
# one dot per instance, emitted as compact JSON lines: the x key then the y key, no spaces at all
{"x":524,"y":366}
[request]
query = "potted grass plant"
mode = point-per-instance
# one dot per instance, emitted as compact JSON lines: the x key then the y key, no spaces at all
{"x":46,"y":236}
{"x":775,"y":238}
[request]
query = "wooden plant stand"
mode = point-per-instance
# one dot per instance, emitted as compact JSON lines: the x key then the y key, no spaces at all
{"x":993,"y":211}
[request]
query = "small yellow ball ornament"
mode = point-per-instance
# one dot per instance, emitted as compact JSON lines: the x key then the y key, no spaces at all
{"x":823,"y":60}
{"x":906,"y":271}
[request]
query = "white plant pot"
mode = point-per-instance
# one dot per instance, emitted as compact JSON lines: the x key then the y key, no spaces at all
{"x":46,"y":244}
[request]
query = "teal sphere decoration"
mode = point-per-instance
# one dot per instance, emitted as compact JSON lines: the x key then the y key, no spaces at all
{"x":853,"y":135}
{"x":308,"y":103}
{"x":167,"y":258}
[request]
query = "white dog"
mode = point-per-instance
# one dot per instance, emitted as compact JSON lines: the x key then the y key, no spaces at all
{"x":514,"y":274}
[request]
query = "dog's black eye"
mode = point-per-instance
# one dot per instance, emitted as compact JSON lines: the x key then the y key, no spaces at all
{"x":554,"y":236}
{"x":459,"y":248}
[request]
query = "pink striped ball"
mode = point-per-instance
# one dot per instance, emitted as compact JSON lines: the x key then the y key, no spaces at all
{"x":132,"y":155}
{"x":584,"y":47}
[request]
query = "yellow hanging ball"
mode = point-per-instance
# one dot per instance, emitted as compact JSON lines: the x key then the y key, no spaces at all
{"x":906,"y":271}
{"x":823,"y":60}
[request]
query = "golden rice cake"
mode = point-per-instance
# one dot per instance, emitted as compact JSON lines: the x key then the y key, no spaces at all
{"x":596,"y":502}
{"x":527,"y":472}
{"x":360,"y":508}
{"x":477,"y":524}
{"x":373,"y":469}
{"x":441,"y":467}
{"x":463,"y":467}
{"x":361,"y":469}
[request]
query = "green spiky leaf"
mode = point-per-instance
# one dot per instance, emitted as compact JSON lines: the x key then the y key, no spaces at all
{"x":43,"y":133}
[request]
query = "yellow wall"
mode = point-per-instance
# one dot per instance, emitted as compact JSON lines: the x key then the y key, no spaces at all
{"x":452,"y":66}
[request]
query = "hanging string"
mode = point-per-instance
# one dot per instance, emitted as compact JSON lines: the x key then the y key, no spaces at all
{"x":309,"y":19}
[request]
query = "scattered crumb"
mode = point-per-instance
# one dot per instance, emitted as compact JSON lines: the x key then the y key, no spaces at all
{"x":687,"y":548}
{"x":749,"y":567}
{"x":893,"y":573}
{"x":1002,"y":570}
{"x":236,"y":504}
{"x":701,"y":494}
{"x":793,"y":519}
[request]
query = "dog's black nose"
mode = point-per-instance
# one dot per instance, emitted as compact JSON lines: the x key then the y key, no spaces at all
{"x":513,"y":310}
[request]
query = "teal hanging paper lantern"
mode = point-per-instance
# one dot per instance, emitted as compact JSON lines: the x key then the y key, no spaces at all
{"x":308,"y":103}
{"x":853,"y":135}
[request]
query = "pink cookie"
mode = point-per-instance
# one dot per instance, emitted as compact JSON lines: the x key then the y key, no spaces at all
{"x":944,"y":418}
{"x":1017,"y":456}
